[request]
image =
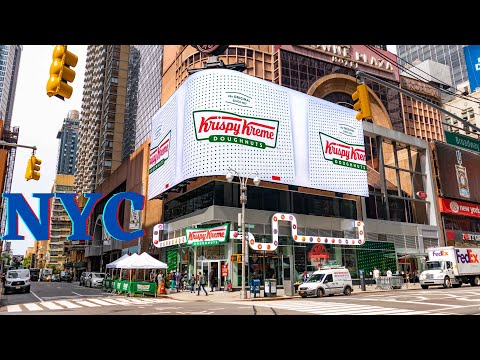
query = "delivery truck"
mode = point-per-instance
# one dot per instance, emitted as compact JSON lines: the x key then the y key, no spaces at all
{"x":451,"y":266}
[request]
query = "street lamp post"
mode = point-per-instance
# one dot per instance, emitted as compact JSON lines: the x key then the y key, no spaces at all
{"x":243,"y":201}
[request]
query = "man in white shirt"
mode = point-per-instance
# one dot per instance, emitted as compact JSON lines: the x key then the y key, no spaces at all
{"x":376,"y":276}
{"x":389,"y":273}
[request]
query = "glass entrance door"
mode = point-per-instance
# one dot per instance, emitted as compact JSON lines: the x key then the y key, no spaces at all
{"x":207,"y":266}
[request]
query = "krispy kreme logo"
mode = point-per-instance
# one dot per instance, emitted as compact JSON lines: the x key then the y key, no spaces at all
{"x":343,"y":154}
{"x":159,"y":154}
{"x":211,"y":236}
{"x":221,"y":126}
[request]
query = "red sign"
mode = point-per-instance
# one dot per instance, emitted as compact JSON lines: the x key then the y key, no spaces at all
{"x":422,"y":194}
{"x":225,"y":270}
{"x":459,"y":207}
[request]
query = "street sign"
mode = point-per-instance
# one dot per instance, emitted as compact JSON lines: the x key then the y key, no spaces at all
{"x":225,"y":270}
{"x":462,"y":141}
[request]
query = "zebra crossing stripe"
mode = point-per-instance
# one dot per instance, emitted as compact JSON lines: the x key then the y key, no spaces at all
{"x":100,"y":302}
{"x":33,"y":307}
{"x":51,"y":305}
{"x":117,"y":301}
{"x":14,"y":308}
{"x":67,"y":304}
{"x":86,"y":303}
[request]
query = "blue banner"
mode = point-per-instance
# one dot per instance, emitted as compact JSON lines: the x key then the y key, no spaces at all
{"x":472,"y":59}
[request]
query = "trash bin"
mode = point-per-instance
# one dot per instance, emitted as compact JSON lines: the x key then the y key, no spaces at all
{"x":255,"y":287}
{"x":270,"y":288}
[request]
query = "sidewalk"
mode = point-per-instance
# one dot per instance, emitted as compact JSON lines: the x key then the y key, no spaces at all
{"x":225,"y":296}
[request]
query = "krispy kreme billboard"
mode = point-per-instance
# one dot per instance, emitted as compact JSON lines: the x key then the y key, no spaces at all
{"x":220,"y":119}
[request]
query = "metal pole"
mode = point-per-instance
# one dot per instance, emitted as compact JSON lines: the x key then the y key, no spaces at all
{"x":4,"y":143}
{"x":243,"y":200}
{"x":361,"y":75}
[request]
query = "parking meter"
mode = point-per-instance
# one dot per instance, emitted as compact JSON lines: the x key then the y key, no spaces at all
{"x":362,"y":280}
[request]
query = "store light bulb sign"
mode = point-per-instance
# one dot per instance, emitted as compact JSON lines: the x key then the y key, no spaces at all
{"x":16,"y":206}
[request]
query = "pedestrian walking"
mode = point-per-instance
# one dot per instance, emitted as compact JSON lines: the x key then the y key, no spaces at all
{"x":211,"y":279}
{"x":201,"y":283}
{"x":192,"y":283}
{"x":376,"y":276}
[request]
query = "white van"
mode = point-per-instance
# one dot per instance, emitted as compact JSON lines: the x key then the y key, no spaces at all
{"x":327,"y":281}
{"x":17,"y":280}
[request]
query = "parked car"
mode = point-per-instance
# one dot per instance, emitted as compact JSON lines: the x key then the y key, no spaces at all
{"x":17,"y":280}
{"x":94,"y":279}
{"x":66,"y":276}
{"x":329,"y":281}
{"x":83,"y":277}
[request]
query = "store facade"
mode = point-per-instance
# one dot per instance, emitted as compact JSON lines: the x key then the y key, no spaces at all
{"x":385,"y":173}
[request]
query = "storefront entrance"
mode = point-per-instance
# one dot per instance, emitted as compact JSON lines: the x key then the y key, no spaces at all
{"x":206,"y":266}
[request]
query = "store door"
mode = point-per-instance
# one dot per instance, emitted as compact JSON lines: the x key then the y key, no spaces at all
{"x":206,"y":266}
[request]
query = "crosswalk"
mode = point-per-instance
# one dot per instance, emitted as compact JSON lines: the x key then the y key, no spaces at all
{"x":78,"y":303}
{"x":333,"y":308}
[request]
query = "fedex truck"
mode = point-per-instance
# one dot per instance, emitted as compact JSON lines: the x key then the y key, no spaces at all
{"x":451,"y":267}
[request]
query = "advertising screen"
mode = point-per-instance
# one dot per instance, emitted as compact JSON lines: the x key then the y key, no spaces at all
{"x":222,"y":119}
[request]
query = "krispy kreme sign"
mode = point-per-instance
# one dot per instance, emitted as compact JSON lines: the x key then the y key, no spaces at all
{"x":159,"y":154}
{"x":342,"y":154}
{"x":209,"y":236}
{"x":221,"y":126}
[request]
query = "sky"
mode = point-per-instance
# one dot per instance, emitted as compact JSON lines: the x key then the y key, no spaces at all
{"x":40,"y":118}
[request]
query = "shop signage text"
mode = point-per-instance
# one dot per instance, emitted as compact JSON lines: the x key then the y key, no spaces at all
{"x":341,"y":153}
{"x":458,"y":207}
{"x":159,"y":154}
{"x":344,"y":55}
{"x":220,"y":126}
{"x":209,"y":236}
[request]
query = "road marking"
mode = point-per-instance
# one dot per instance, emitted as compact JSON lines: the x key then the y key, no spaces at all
{"x":86,"y":303}
{"x":217,"y":309}
{"x":38,"y":297}
{"x":114,"y":301}
{"x":51,"y":305}
{"x":100,"y":302}
{"x":32,"y":307}
{"x":73,"y":292}
{"x":67,"y":304}
{"x":14,"y":308}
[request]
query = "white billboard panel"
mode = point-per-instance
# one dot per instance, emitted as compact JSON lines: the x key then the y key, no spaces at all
{"x":220,"y":119}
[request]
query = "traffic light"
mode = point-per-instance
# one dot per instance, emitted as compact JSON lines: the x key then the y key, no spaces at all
{"x":363,"y":103}
{"x":33,"y":168}
{"x":60,"y":72}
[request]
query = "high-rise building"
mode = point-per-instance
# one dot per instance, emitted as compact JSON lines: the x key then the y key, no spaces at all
{"x":143,"y":93}
{"x":60,"y":224}
{"x":450,"y":55}
{"x":67,"y":148}
{"x":99,"y":150}
{"x":9,"y":65}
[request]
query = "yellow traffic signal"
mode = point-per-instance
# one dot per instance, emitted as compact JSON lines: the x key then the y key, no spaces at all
{"x":363,"y":103}
{"x":33,"y":168}
{"x":60,"y":72}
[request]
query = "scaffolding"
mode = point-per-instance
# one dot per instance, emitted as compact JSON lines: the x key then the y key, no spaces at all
{"x":9,"y":136}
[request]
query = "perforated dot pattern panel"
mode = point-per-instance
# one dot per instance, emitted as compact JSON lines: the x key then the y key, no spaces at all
{"x":340,"y":128}
{"x":164,"y":127}
{"x":270,"y":107}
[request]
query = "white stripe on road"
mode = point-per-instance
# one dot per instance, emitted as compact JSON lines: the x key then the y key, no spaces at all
{"x":86,"y":303}
{"x":73,"y":292}
{"x":38,"y":297}
{"x":33,"y":307}
{"x":67,"y":304}
{"x":100,"y":302}
{"x":51,"y":305}
{"x":117,"y":301}
{"x":14,"y":308}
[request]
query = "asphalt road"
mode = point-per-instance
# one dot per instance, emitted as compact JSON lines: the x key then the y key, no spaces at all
{"x":68,"y":298}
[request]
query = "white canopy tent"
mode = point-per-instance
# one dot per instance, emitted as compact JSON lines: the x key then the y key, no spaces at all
{"x":113,"y":264}
{"x":143,"y":261}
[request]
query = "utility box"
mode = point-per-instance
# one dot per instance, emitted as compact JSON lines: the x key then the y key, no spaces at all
{"x":270,"y":288}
